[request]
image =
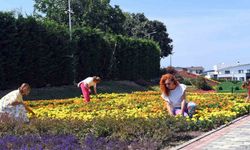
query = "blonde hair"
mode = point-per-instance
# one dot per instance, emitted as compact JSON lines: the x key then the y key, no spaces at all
{"x":96,"y":79}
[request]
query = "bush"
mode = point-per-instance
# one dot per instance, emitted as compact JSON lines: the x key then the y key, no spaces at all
{"x":220,"y":88}
{"x":201,"y":83}
{"x":186,"y":81}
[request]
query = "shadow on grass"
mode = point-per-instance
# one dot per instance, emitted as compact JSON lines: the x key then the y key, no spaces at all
{"x":73,"y":91}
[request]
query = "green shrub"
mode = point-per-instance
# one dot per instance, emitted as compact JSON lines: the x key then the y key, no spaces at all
{"x":201,"y":83}
{"x":220,"y":88}
{"x":186,"y":81}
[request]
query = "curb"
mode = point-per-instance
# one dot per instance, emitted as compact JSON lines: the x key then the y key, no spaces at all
{"x":207,"y":133}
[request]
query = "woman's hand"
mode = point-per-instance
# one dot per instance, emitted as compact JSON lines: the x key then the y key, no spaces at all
{"x":169,"y":108}
{"x":33,"y":114}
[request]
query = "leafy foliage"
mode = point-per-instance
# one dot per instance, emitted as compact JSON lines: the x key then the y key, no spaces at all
{"x":101,"y":15}
{"x":116,"y":57}
{"x":92,"y":13}
{"x":40,"y":53}
{"x":137,"y":25}
{"x":201,"y":83}
{"x":33,"y":52}
{"x":136,"y":120}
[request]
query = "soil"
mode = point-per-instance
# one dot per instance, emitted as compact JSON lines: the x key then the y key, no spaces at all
{"x":181,"y":138}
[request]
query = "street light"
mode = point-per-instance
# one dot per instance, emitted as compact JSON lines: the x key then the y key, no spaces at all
{"x":69,"y":11}
{"x":170,"y":56}
{"x":72,"y":57}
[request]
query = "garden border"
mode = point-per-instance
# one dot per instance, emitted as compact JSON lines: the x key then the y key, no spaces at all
{"x":207,"y":133}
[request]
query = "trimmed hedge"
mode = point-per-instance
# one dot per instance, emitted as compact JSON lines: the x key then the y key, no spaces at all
{"x":33,"y":51}
{"x":40,"y":53}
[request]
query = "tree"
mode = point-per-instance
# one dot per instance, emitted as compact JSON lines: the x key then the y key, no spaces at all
{"x":93,"y":13}
{"x":159,"y":34}
{"x":137,"y":25}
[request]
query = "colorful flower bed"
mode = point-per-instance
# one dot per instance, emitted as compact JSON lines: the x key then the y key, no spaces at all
{"x":110,"y":121}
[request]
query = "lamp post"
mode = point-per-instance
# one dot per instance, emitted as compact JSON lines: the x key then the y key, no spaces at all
{"x":170,"y":59}
{"x":72,"y":57}
{"x":69,"y":11}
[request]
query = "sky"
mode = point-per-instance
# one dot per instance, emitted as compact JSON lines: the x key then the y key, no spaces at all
{"x":204,"y":33}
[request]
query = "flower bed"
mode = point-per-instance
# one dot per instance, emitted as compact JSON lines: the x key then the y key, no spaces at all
{"x":136,"y":120}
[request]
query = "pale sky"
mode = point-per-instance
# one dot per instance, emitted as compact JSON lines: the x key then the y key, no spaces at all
{"x":204,"y":33}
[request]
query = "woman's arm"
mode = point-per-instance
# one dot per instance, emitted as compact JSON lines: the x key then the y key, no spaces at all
{"x":25,"y":106}
{"x":28,"y":109}
{"x":169,"y":107}
{"x":95,"y":89}
{"x":167,"y":104}
{"x":183,"y":103}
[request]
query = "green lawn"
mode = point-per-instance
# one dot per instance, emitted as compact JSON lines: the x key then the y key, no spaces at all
{"x":73,"y":91}
{"x":230,"y":87}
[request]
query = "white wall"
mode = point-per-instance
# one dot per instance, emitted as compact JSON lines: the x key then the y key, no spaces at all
{"x":234,"y":72}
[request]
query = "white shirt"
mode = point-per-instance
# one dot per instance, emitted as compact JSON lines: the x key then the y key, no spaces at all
{"x":175,"y":95}
{"x":89,"y":81}
{"x":14,"y":96}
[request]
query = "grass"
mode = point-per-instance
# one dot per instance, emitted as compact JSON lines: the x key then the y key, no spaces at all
{"x":72,"y":91}
{"x":229,"y":87}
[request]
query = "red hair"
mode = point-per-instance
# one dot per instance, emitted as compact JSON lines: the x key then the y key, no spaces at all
{"x":163,"y":87}
{"x":245,"y":84}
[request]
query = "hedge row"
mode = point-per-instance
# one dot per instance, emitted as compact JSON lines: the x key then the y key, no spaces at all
{"x":40,"y":53}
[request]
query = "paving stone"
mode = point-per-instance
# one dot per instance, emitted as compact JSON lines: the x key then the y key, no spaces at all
{"x":233,"y":137}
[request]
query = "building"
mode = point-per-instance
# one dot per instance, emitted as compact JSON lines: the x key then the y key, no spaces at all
{"x":209,"y":74}
{"x":195,"y":70}
{"x":240,"y":72}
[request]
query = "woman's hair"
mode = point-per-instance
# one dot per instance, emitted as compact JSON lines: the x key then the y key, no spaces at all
{"x":165,"y":77}
{"x":96,"y":79}
{"x":25,"y":85}
{"x":171,"y":70}
{"x":245,"y":84}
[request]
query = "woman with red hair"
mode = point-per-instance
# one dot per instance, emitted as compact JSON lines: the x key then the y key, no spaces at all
{"x":173,"y":93}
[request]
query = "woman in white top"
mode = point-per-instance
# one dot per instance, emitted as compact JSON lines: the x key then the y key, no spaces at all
{"x":13,"y":106}
{"x":86,"y":84}
{"x":173,"y":93}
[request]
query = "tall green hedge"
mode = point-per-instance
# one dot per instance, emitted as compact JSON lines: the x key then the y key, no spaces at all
{"x":7,"y":34}
{"x":40,"y":53}
{"x":114,"y":56}
{"x":34,"y":52}
{"x":137,"y":58}
{"x":92,"y":53}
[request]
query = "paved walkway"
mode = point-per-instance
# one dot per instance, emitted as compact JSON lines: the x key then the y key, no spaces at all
{"x":236,"y":136}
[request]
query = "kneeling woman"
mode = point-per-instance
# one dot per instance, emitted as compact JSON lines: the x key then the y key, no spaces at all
{"x":173,"y":93}
{"x":13,"y":106}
